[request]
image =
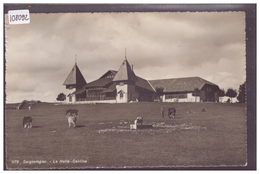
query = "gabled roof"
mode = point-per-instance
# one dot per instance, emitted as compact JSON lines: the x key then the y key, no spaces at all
{"x":125,"y":73}
{"x":180,"y":84}
{"x":101,"y":82}
{"x":109,"y":74}
{"x":75,"y":77}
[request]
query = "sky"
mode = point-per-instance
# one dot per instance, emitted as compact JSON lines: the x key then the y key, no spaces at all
{"x":160,"y":45}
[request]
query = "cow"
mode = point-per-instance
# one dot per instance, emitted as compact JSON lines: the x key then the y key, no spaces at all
{"x":72,"y":111}
{"x":139,"y":121}
{"x":72,"y":115}
{"x":171,"y":112}
{"x":27,"y":122}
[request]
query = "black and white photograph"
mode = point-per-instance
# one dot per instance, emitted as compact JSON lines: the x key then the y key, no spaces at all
{"x":126,"y":87}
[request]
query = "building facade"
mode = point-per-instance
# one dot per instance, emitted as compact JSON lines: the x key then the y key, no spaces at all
{"x":74,"y":81}
{"x":184,"y":90}
{"x":124,"y":86}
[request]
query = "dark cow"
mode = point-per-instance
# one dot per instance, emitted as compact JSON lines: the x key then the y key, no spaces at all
{"x":27,"y":122}
{"x":139,"y":121}
{"x":171,"y":112}
{"x":72,"y":115}
{"x":72,"y":111}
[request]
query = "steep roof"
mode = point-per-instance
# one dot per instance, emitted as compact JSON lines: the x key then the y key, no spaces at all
{"x":144,"y":84}
{"x":180,"y":84}
{"x":125,"y":73}
{"x":75,"y":77}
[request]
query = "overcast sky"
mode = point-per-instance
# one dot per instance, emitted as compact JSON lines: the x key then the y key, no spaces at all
{"x":41,"y":54}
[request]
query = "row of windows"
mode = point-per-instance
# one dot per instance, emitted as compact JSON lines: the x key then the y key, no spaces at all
{"x":96,"y":88}
{"x":110,"y":76}
{"x":168,"y":96}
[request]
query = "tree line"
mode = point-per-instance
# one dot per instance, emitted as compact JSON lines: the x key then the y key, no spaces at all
{"x":232,"y":93}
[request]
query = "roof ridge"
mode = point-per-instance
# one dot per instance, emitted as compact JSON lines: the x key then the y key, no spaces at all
{"x":176,"y":78}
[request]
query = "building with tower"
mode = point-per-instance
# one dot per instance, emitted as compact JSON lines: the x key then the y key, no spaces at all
{"x":125,"y":80}
{"x":74,"y":81}
{"x":125,"y":86}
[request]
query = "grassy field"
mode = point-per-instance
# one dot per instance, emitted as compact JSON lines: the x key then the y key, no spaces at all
{"x":102,"y":137}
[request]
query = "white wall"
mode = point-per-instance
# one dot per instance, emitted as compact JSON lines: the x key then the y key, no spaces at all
{"x":224,"y":99}
{"x":193,"y":98}
{"x":95,"y":101}
{"x":189,"y":98}
{"x":125,"y":94}
{"x":68,"y":98}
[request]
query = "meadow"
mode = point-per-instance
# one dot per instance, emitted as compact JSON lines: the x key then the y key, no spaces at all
{"x":103,"y":139}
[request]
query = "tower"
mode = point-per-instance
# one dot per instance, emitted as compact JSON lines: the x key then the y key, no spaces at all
{"x":74,"y":80}
{"x":125,"y":83}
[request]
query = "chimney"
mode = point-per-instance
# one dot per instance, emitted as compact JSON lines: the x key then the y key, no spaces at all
{"x":132,"y":67}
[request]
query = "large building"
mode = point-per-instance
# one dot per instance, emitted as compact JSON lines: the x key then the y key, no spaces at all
{"x":124,"y":86}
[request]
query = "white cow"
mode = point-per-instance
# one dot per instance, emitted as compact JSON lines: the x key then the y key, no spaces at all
{"x":72,"y":115}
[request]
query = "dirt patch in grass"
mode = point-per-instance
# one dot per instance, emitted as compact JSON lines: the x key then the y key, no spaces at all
{"x":157,"y":128}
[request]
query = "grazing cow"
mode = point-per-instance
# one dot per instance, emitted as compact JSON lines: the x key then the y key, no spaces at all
{"x":27,"y":122}
{"x":139,"y":121}
{"x":171,"y":112}
{"x":72,"y":115}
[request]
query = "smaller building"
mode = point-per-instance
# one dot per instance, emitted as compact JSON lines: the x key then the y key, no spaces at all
{"x":182,"y":90}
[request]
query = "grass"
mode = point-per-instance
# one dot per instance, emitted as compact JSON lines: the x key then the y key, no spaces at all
{"x":103,"y":138}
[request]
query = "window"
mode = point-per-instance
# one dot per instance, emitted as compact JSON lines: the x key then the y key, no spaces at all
{"x":121,"y":95}
{"x":169,"y":96}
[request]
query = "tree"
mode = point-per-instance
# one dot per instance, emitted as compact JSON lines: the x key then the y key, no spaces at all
{"x":242,"y":93}
{"x":231,"y":93}
{"x":196,"y":93}
{"x":221,"y":93}
{"x":61,"y":97}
